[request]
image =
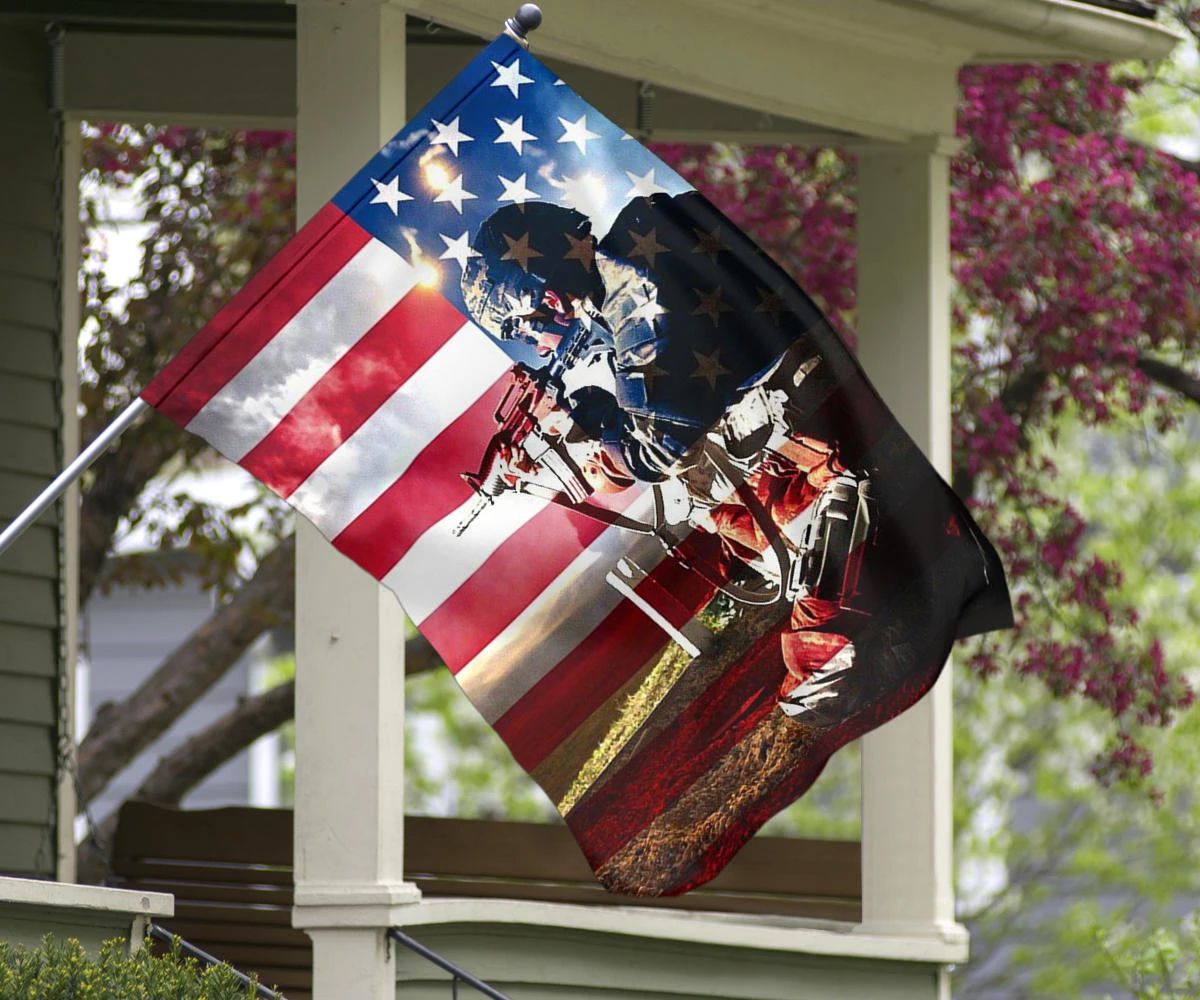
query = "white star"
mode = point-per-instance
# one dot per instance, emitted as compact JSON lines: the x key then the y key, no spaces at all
{"x":510,"y":76}
{"x":454,"y":193}
{"x":516,"y":191}
{"x":643,"y":186}
{"x":514,"y":133}
{"x":585,"y":193}
{"x":560,"y":83}
{"x":458,"y":249}
{"x":577,"y":132}
{"x":449,"y":135}
{"x":626,"y":136}
{"x":389,"y":194}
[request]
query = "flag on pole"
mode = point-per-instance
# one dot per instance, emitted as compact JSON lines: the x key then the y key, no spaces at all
{"x":612,"y":461}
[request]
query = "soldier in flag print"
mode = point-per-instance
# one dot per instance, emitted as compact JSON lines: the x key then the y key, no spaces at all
{"x":660,"y":386}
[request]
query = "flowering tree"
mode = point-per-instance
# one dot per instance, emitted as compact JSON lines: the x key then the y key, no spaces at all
{"x":1074,"y":254}
{"x":218,"y":206}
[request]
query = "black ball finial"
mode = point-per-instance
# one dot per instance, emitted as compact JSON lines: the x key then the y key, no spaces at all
{"x":526,"y":19}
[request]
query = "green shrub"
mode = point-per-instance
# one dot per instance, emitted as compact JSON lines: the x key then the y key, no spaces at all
{"x":62,"y":970}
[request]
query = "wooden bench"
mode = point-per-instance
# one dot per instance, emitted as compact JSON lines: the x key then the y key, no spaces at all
{"x":230,"y":871}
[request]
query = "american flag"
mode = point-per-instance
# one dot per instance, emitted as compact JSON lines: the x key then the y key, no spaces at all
{"x":349,"y":378}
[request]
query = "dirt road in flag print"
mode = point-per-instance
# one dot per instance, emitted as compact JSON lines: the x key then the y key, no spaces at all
{"x":612,"y":461}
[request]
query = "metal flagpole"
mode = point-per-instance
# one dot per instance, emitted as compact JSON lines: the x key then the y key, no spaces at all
{"x":127,"y":418}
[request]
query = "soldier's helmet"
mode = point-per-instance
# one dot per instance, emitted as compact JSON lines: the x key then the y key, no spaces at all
{"x":523,"y":251}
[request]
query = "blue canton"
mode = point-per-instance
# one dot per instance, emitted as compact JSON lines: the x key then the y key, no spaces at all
{"x":505,"y":131}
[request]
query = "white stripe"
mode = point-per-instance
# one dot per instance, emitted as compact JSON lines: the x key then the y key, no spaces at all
{"x":651,"y":612}
{"x":376,"y":454}
{"x":440,"y":561}
{"x":251,"y":403}
{"x":557,"y":620}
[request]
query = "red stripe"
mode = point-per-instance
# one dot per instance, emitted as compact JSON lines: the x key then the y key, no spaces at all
{"x":259,"y":285}
{"x":524,"y":565}
{"x":599,"y":666}
{"x":356,"y":386}
{"x":244,"y":327}
{"x":709,"y":727}
{"x":429,"y":489}
{"x":680,"y":606}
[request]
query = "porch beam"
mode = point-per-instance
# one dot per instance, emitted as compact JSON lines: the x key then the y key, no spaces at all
{"x":185,"y":79}
{"x":250,"y":81}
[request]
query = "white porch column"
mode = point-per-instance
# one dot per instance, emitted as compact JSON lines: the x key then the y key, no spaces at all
{"x":904,"y":345}
{"x":349,"y":631}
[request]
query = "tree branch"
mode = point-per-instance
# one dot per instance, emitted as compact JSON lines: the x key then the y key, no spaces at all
{"x":1021,"y":393}
{"x":419,"y":656}
{"x":1017,"y":397}
{"x":122,"y":731}
{"x":195,"y":759}
{"x":116,"y":481}
{"x":187,"y":765}
{"x":1170,"y":377}
{"x":183,"y":768}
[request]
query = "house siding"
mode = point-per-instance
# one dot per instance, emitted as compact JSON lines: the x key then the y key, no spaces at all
{"x":30,"y":452}
{"x":548,"y":963}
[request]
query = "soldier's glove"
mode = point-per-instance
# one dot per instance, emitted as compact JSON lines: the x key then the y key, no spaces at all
{"x":676,"y":503}
{"x":748,"y":425}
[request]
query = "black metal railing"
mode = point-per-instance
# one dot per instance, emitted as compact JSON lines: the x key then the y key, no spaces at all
{"x":204,"y":958}
{"x":459,"y":975}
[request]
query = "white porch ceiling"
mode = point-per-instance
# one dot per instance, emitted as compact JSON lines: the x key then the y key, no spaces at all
{"x":799,"y":71}
{"x":882,"y":69}
{"x":190,"y":78}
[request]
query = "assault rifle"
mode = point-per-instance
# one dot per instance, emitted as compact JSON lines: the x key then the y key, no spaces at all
{"x":518,"y":445}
